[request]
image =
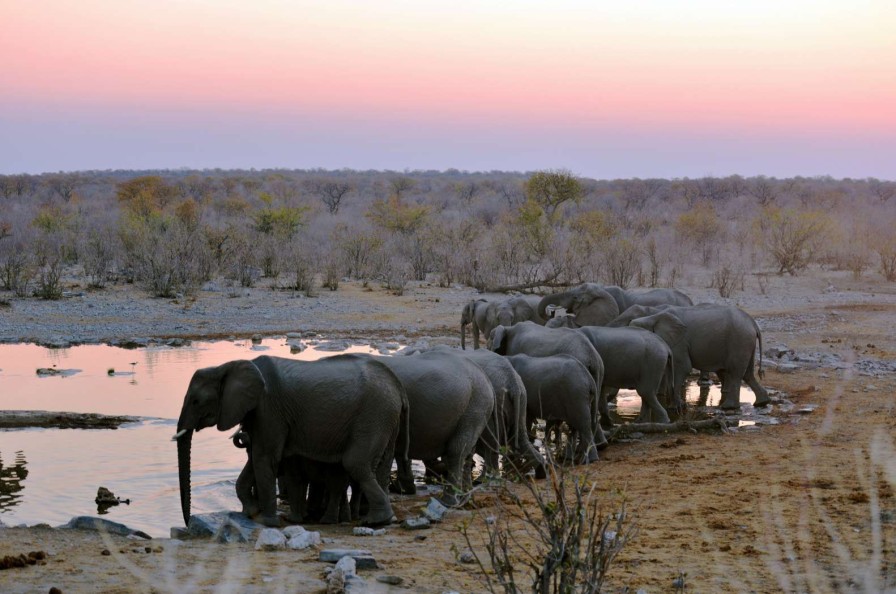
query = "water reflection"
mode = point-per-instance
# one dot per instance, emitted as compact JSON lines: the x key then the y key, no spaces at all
{"x":11,"y":478}
{"x":137,"y":462}
{"x":628,"y":403}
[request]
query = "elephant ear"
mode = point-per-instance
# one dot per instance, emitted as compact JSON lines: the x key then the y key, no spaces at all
{"x":596,"y":309}
{"x":665,"y":325}
{"x":496,"y":339}
{"x":241,"y":386}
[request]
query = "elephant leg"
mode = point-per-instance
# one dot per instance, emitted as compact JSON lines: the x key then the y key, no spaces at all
{"x":265,"y":483}
{"x":296,"y":487}
{"x":761,"y":393}
{"x":336,"y":501}
{"x":731,"y":383}
{"x":245,"y":490}
{"x":604,"y":409}
{"x":599,"y":438}
{"x":651,"y":409}
{"x":704,"y":379}
{"x":357,"y":463}
{"x":586,"y":450}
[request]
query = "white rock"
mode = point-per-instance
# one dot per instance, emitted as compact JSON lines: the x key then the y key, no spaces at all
{"x":347,"y":566}
{"x":293,"y":531}
{"x":270,"y":539}
{"x":304,"y":540}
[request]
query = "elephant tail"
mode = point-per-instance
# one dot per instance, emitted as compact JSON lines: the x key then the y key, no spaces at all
{"x":402,"y":448}
{"x":759,"y":335}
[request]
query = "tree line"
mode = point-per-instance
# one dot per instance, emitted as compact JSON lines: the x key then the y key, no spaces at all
{"x":171,"y":231}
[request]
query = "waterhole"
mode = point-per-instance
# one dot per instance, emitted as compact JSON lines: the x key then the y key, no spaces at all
{"x":51,"y":475}
{"x":628,"y":403}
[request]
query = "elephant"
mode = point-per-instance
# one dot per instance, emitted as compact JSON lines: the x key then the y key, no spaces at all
{"x":654,"y":297}
{"x":528,"y":338}
{"x":719,"y":338}
{"x":509,"y":428}
{"x":474,"y":315}
{"x":589,"y":302}
{"x":484,"y":315}
{"x":560,"y":388}
{"x":347,"y":409}
{"x":634,"y":358}
{"x":450,"y":402}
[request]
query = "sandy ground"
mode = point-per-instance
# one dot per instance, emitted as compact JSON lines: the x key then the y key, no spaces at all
{"x":803,"y":506}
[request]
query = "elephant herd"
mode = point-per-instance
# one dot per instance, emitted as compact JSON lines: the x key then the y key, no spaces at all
{"x":316,"y":427}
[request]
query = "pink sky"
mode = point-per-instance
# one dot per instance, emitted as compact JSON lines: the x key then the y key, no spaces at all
{"x":652,"y":88}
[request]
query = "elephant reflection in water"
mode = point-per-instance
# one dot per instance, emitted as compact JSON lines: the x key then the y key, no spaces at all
{"x":11,"y":479}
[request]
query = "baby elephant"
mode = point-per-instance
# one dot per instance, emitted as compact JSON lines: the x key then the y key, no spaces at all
{"x":559,"y":388}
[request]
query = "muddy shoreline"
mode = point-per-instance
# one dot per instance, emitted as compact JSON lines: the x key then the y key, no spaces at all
{"x":808,"y":504}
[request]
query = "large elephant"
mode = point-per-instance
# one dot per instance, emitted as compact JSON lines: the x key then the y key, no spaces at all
{"x":719,"y":338}
{"x":509,"y":428}
{"x":589,"y":302}
{"x":349,"y":409}
{"x":450,"y":402}
{"x":654,"y":297}
{"x":560,"y":388}
{"x":528,"y":338}
{"x":484,"y":315}
{"x":634,"y":358}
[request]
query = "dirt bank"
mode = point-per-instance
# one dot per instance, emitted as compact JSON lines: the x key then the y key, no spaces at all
{"x":803,"y":506}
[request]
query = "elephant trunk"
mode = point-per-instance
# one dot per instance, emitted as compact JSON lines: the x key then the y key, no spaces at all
{"x":184,"y":445}
{"x":463,"y":335}
{"x":557,"y":300}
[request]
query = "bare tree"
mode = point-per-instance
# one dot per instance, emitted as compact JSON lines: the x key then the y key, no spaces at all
{"x":763,"y":190}
{"x":401,"y":184}
{"x":330,"y":191}
{"x":883,"y":190}
{"x":63,"y":184}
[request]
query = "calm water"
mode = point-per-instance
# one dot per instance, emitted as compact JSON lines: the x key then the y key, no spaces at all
{"x":51,"y":475}
{"x":628,"y":403}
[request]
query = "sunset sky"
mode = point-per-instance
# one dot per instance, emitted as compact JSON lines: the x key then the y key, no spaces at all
{"x":607,"y":89}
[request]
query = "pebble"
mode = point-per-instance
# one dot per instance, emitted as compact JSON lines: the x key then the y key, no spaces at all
{"x":415,"y":524}
{"x":270,"y":539}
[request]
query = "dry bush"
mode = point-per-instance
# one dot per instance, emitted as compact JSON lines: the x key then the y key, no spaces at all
{"x":558,"y":535}
{"x":16,"y":268}
{"x":726,"y":279}
{"x":792,"y":237}
{"x":623,"y":261}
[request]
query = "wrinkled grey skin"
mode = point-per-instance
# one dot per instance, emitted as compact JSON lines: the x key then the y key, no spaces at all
{"x":719,"y":338}
{"x":560,"y":388}
{"x":484,"y":315}
{"x":508,"y":427}
{"x":450,"y":402}
{"x":654,"y":297}
{"x":589,"y":302}
{"x":346,"y":409}
{"x":528,"y":338}
{"x":634,"y":358}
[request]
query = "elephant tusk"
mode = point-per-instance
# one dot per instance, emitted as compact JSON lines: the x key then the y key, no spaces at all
{"x":179,"y":434}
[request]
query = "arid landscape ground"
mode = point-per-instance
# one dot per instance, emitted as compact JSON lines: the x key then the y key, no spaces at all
{"x":806,"y":505}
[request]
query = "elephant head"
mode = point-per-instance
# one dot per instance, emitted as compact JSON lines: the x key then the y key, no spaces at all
{"x":562,"y":321}
{"x":664,"y":324}
{"x":497,"y":340}
{"x":589,"y":302}
{"x":217,"y":396}
{"x":633,"y":312}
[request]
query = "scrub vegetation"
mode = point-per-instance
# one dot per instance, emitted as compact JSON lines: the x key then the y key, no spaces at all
{"x":171,"y":231}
